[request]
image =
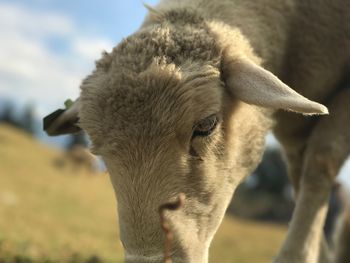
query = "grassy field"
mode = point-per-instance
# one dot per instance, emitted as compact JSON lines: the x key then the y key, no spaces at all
{"x":52,"y":215}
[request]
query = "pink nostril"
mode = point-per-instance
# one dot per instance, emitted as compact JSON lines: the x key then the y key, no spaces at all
{"x":165,"y":226}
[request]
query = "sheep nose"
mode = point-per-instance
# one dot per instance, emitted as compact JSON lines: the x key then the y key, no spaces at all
{"x":165,"y":226}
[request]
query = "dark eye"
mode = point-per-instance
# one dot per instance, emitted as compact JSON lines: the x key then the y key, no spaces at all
{"x":206,"y":126}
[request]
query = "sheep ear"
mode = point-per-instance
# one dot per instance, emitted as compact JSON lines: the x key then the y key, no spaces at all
{"x":63,"y":121}
{"x":255,"y":85}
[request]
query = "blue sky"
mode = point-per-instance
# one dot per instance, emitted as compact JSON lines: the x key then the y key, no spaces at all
{"x":109,"y":18}
{"x":48,"y":46}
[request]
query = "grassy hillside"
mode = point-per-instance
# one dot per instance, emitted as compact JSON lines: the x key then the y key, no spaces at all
{"x":53,"y":215}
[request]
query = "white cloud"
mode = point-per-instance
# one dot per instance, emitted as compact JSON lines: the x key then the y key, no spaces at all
{"x":90,"y":48}
{"x":32,"y":21}
{"x":31,"y":70}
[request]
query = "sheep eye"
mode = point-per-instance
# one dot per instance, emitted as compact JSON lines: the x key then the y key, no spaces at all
{"x":205,"y":127}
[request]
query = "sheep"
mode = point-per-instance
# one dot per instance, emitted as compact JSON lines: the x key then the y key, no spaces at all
{"x":77,"y":158}
{"x":342,"y":238}
{"x":183,"y":106}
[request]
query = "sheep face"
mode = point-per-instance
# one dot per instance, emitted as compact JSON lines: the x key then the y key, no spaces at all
{"x":164,"y":132}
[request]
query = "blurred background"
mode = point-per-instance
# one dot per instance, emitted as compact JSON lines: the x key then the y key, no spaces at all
{"x":56,"y":202}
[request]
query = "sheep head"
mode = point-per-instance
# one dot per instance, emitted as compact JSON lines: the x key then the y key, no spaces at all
{"x":179,"y":108}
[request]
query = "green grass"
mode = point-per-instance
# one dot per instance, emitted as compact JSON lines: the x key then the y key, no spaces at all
{"x":51,"y":215}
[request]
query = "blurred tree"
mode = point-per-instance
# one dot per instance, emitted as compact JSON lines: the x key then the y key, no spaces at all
{"x":7,"y":115}
{"x":28,"y":119}
{"x":271,"y":174}
{"x":24,"y":120}
{"x":266,"y":191}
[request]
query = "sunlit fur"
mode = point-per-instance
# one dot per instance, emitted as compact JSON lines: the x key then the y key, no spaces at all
{"x":140,"y":104}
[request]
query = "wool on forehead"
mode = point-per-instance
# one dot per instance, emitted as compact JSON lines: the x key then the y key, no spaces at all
{"x":144,"y":82}
{"x":152,"y":102}
{"x":176,"y":40}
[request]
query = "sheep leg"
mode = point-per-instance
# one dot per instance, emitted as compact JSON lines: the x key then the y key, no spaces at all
{"x":295,"y":158}
{"x":326,"y":150}
{"x":342,"y":238}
